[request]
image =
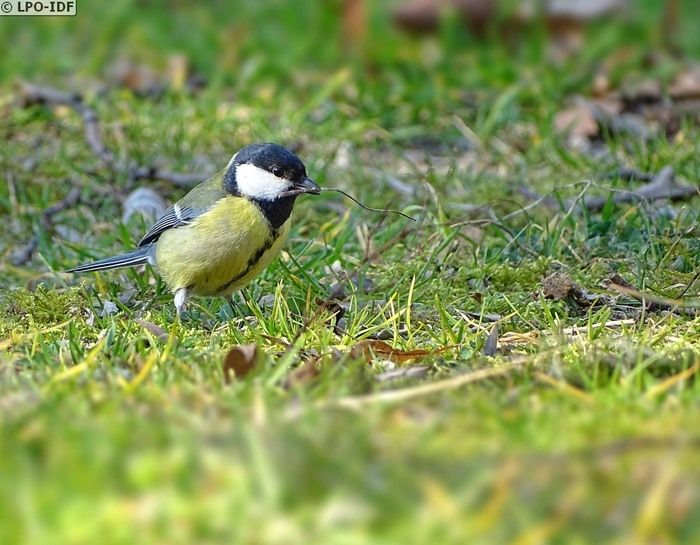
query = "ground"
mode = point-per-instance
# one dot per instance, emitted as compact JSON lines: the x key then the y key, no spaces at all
{"x":517,"y":394}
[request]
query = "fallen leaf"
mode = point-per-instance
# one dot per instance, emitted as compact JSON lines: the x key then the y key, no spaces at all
{"x":240,"y":361}
{"x":304,"y":373}
{"x":664,"y":185}
{"x":686,"y":86}
{"x":139,"y":78}
{"x":491,"y":344}
{"x":369,"y":348}
{"x":143,"y":201}
{"x":145,"y":80}
{"x":425,"y":15}
{"x":108,"y":309}
{"x":578,"y":122}
{"x":157,"y":331}
{"x":615,"y":278}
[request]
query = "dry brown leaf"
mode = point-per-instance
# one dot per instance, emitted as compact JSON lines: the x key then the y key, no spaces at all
{"x":686,"y":86}
{"x":240,"y":361}
{"x":581,"y":121}
{"x":425,"y":15}
{"x":138,"y":78}
{"x":146,"y":80}
{"x":369,"y":348}
{"x":578,"y":122}
{"x":303,"y":374}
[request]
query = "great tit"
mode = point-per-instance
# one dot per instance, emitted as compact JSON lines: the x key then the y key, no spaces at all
{"x":226,"y":230}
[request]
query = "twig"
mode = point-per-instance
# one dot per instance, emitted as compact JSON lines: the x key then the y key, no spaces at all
{"x":404,"y":394}
{"x":25,"y":253}
{"x":610,"y":324}
{"x":662,"y":186}
{"x":629,"y":174}
{"x":531,"y":337}
{"x":548,"y":201}
{"x":690,"y":284}
{"x":36,"y":94}
{"x":178,"y":179}
{"x":93,"y":134}
{"x":653,"y":302}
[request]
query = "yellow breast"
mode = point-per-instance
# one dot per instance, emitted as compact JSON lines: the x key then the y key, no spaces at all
{"x":220,"y":251}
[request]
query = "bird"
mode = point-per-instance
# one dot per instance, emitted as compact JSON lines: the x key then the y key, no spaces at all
{"x":225,"y":231}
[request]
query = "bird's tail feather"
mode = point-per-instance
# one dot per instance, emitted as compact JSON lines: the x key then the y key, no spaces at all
{"x":129,"y":259}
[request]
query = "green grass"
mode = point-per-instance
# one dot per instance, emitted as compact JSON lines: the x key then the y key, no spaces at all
{"x":112,"y":432}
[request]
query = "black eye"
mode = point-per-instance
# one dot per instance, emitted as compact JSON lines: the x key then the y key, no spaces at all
{"x":277,"y":171}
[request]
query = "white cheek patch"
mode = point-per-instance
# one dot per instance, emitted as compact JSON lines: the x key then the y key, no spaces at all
{"x":259,"y":184}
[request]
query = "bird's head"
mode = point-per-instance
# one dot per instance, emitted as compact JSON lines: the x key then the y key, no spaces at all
{"x":267,"y":173}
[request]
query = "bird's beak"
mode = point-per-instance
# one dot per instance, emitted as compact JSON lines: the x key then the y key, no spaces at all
{"x":308,"y":186}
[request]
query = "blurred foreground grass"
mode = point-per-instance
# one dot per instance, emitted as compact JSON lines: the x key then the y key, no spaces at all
{"x":119,"y":433}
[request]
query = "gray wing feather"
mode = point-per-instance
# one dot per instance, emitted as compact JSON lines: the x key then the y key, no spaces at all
{"x":173,"y":217}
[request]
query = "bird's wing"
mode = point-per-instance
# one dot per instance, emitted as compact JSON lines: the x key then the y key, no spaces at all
{"x":187,"y":209}
{"x":173,"y":217}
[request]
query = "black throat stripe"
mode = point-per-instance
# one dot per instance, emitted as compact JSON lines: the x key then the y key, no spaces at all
{"x":274,"y":234}
{"x":277,"y":212}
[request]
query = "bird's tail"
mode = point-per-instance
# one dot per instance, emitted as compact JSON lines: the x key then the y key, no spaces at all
{"x":129,"y":259}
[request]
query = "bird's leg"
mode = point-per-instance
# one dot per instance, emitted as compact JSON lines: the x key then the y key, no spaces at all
{"x":234,"y":307}
{"x":237,"y":302}
{"x":180,"y":301}
{"x":244,"y":296}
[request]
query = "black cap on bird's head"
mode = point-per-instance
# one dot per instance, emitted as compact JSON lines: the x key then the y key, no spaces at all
{"x":271,"y":176}
{"x":267,"y":172}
